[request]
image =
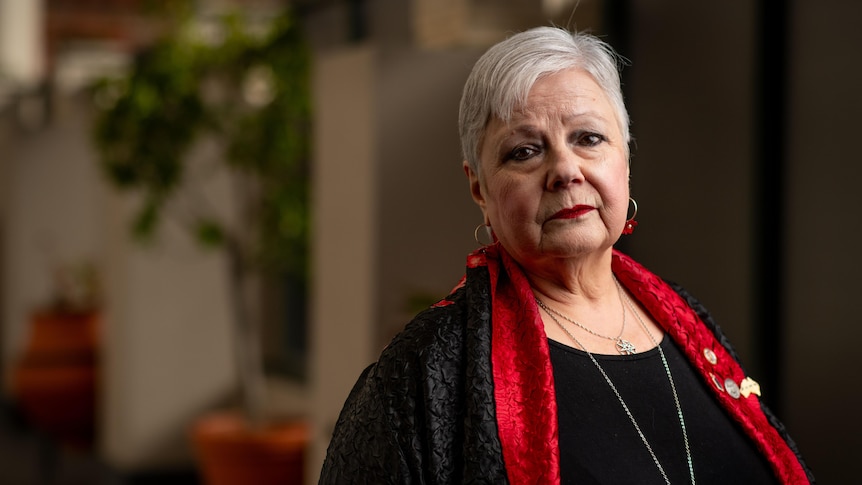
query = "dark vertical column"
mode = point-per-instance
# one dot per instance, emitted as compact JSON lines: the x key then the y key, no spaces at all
{"x":616,"y":27}
{"x":3,"y":322}
{"x":769,"y":191}
{"x":357,"y":21}
{"x":616,"y":24}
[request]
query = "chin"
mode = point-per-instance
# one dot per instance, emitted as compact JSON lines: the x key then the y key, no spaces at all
{"x":576,"y":249}
{"x":578,"y":244}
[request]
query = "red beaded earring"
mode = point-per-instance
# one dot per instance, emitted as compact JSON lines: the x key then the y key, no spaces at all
{"x":631,"y":223}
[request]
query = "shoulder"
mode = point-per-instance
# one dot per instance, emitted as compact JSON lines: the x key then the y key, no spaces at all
{"x":379,"y":434}
{"x":676,"y":309}
{"x":434,"y":336}
{"x":431,"y":347}
{"x":705,"y":317}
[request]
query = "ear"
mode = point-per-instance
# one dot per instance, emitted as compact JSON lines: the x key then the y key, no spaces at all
{"x":475,"y":188}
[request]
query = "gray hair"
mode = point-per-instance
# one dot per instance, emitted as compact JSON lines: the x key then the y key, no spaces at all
{"x":502,"y":78}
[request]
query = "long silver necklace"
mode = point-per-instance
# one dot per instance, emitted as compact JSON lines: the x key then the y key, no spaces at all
{"x":624,"y":347}
{"x":552,"y":313}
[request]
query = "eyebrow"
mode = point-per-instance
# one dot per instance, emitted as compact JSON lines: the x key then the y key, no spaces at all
{"x":529,"y":128}
{"x":586,"y":114}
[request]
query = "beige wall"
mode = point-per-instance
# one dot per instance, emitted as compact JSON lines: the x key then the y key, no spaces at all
{"x":426,"y":214}
{"x":21,"y":41}
{"x":168,"y":340}
{"x":344,"y":259}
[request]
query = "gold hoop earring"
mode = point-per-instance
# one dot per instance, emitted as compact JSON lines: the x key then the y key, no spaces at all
{"x":486,"y":228}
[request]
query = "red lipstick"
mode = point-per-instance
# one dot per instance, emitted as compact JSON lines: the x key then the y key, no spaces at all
{"x":573,"y":212}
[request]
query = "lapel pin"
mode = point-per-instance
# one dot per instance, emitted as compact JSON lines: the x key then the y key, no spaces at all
{"x":710,"y":356}
{"x":732,"y":388}
{"x":749,"y":386}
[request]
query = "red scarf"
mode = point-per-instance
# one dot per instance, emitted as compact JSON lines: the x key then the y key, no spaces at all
{"x":524,"y":380}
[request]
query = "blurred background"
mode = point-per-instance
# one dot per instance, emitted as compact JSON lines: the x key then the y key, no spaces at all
{"x":117,"y":354}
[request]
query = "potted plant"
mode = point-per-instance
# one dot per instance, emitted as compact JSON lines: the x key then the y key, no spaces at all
{"x":243,"y":84}
{"x":55,"y":379}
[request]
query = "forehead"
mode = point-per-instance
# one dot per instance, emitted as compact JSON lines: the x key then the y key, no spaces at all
{"x":564,"y":97}
{"x":566,"y":94}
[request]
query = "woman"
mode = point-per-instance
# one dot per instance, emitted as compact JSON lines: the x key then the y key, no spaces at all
{"x":557,"y":359}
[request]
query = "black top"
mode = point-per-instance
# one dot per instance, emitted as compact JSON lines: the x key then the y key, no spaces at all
{"x":599,"y":444}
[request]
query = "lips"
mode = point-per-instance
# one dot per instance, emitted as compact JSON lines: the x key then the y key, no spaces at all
{"x":573,"y":212}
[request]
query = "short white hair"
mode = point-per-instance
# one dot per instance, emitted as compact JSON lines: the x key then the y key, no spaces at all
{"x":502,"y":79}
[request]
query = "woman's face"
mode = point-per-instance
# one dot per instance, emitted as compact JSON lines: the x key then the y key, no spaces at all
{"x":554,"y":179}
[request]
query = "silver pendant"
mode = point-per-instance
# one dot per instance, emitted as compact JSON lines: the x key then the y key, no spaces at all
{"x":625,"y":347}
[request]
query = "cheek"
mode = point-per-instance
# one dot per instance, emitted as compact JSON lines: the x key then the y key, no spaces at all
{"x":620,"y":193}
{"x":616,"y":182}
{"x":510,"y":200}
{"x":612,"y":185}
{"x":622,"y":186}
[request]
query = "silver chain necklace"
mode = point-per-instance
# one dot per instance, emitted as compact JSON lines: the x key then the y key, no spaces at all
{"x":551,"y":313}
{"x":624,"y":347}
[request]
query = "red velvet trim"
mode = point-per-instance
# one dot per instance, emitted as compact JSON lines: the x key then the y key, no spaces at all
{"x":524,"y":382}
{"x":523,"y":378}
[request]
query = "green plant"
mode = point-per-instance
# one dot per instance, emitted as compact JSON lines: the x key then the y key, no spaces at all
{"x":244,"y":86}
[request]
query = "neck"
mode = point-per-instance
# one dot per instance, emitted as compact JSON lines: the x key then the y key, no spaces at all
{"x":573,"y":281}
{"x":583,"y":290}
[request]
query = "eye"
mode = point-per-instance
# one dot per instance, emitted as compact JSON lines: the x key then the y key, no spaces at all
{"x":590,"y":139}
{"x":523,"y":152}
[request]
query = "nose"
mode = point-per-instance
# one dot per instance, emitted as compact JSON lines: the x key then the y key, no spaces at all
{"x":564,"y":168}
